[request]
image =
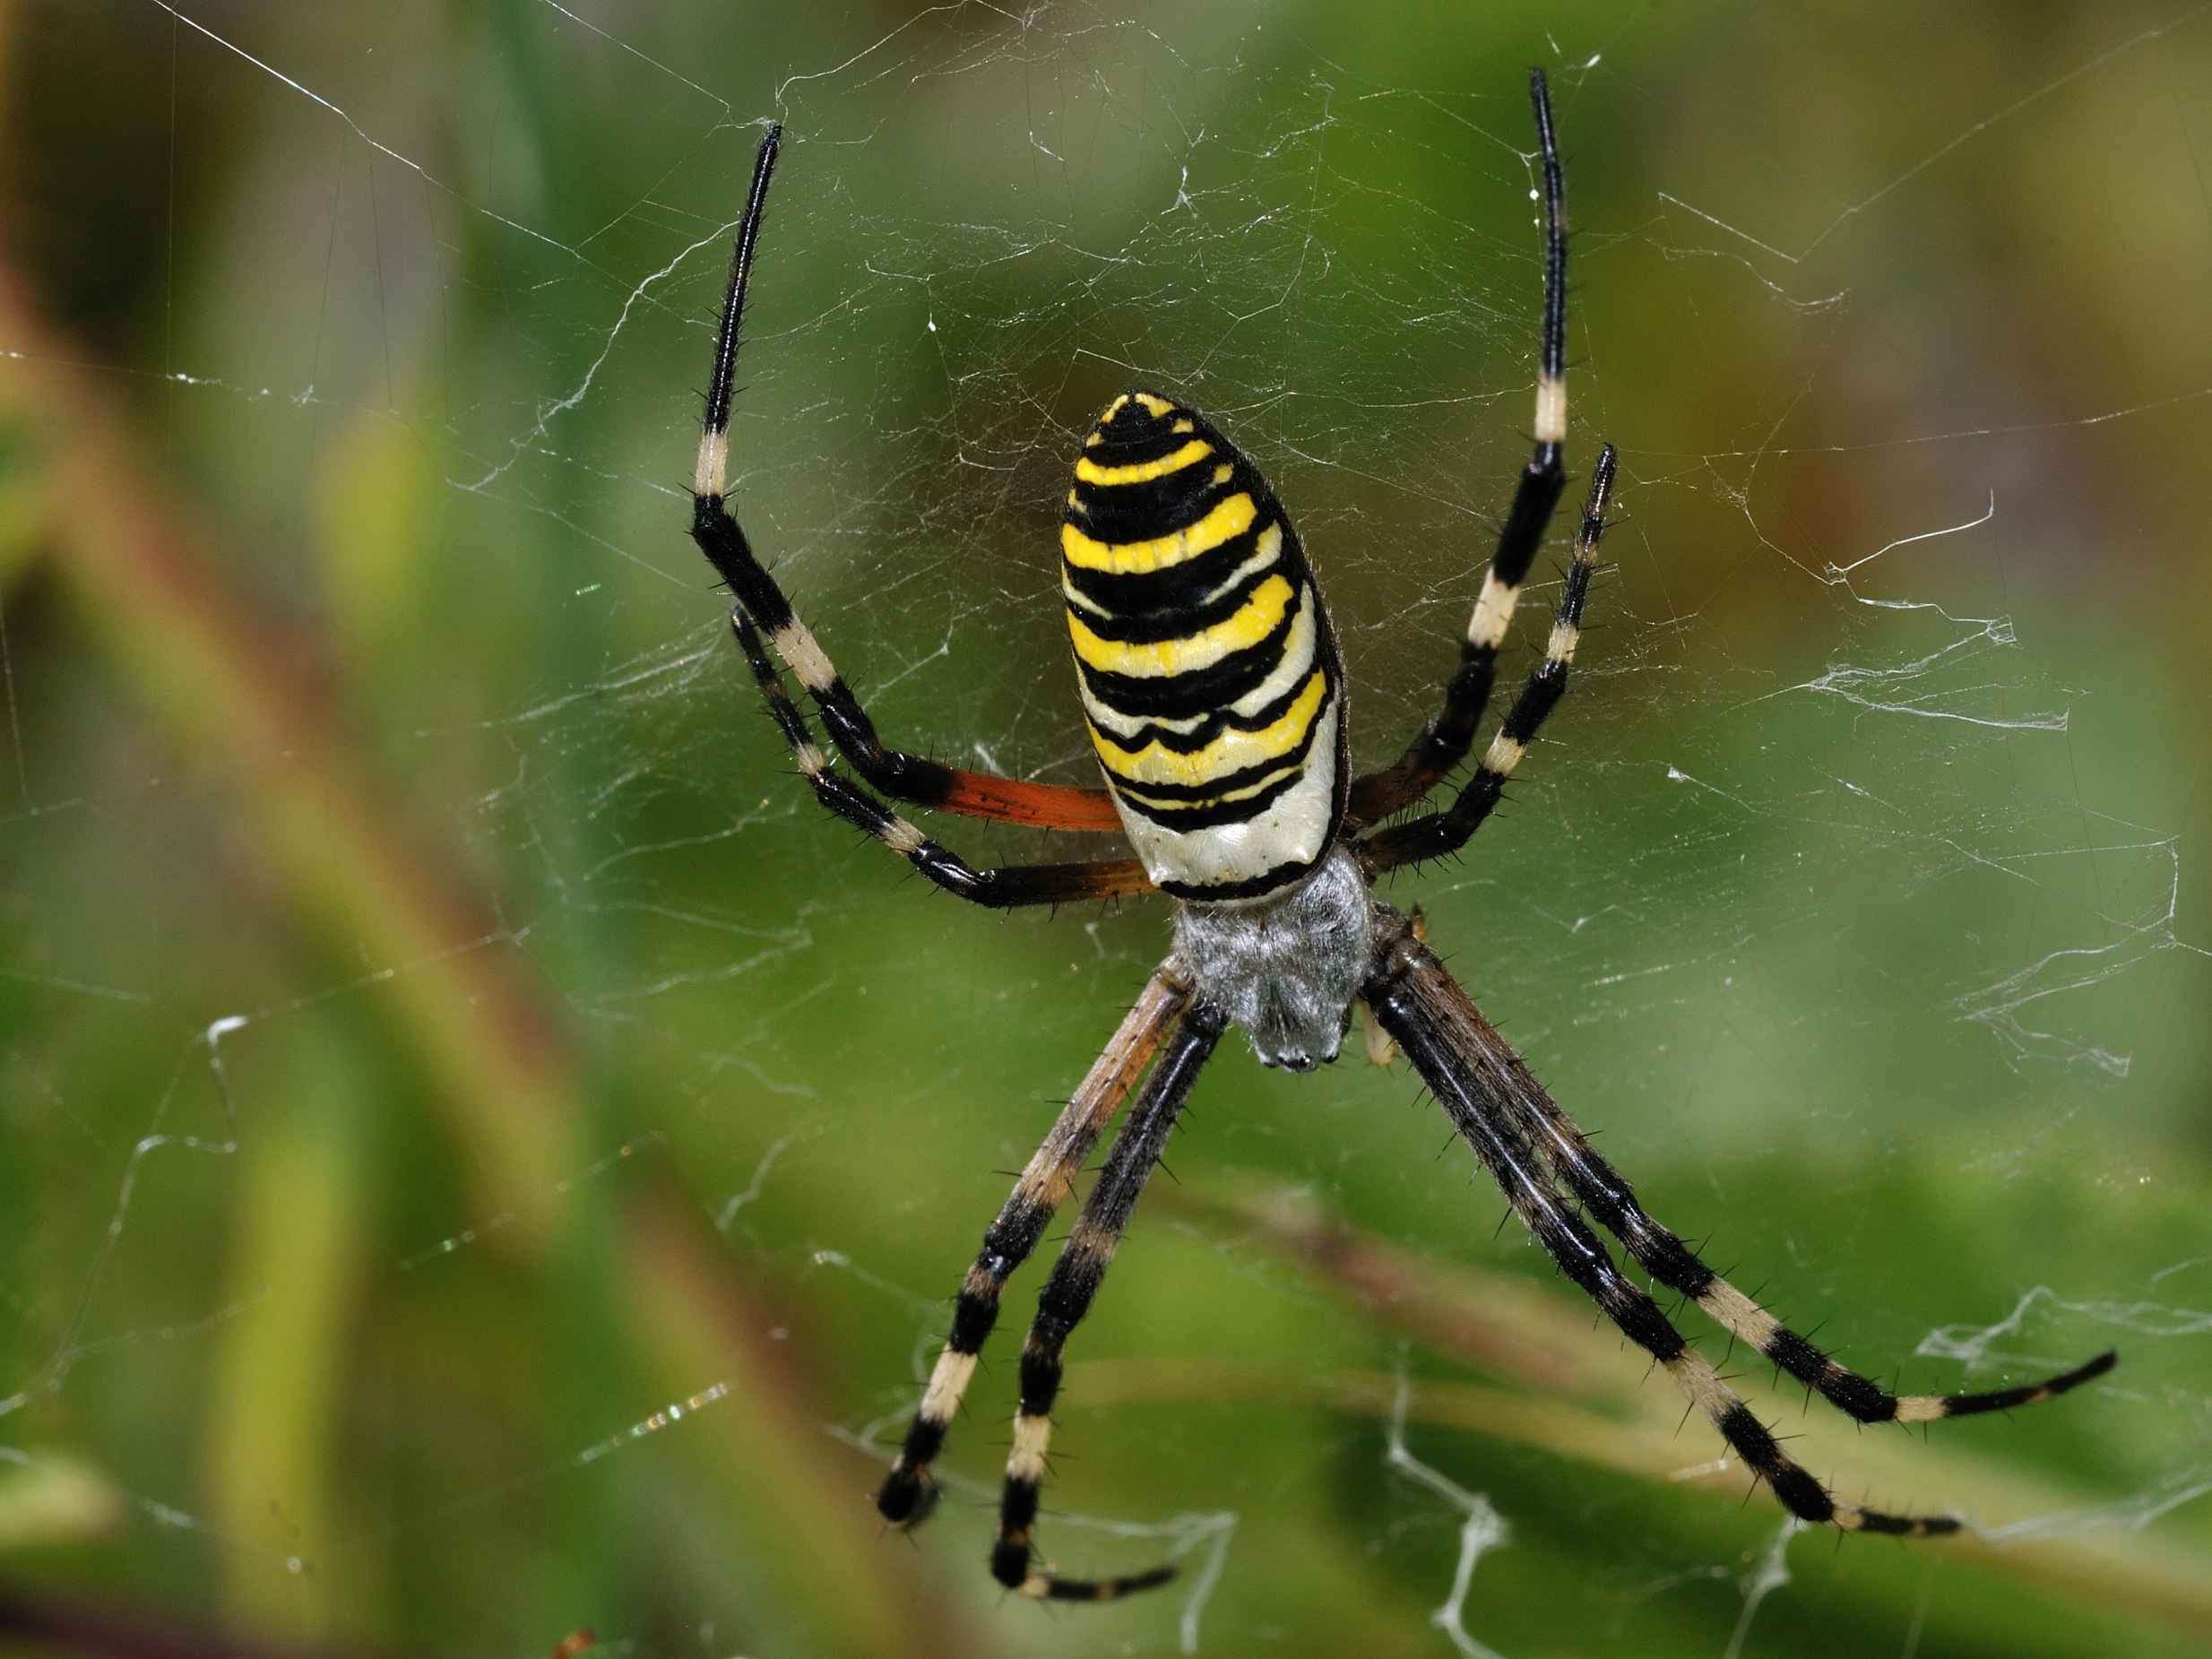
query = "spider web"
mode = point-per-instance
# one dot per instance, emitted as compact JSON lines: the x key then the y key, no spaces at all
{"x":487,"y":1159}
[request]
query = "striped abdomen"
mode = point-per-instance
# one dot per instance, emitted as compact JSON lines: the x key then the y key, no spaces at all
{"x":1209,"y":676}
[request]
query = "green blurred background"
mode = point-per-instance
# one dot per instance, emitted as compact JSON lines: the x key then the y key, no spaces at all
{"x":485,"y":1158}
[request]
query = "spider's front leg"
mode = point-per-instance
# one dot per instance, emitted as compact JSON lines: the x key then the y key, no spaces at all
{"x":1516,"y":1131}
{"x":908,"y":1493}
{"x":1544,"y":1126}
{"x":1067,"y":1297}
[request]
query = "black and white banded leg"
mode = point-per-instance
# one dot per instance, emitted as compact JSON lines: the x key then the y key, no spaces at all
{"x":1443,"y":743}
{"x":1435,"y":834}
{"x":908,"y":1493}
{"x":999,"y":889}
{"x":1606,"y":1197}
{"x":1481,"y":1083}
{"x":1067,"y":1297}
{"x":902,"y":776}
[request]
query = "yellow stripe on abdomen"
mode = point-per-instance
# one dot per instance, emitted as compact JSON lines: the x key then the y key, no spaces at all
{"x":1231,"y":752}
{"x":1231,"y":518}
{"x":1253,"y":622}
{"x":1144,"y":471}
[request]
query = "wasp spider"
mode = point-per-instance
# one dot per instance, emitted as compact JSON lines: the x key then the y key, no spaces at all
{"x":1216,"y":700}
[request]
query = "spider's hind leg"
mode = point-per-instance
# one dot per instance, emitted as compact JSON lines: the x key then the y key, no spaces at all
{"x":902,"y":776}
{"x":1436,"y":833}
{"x":1013,"y":885}
{"x":1443,"y":743}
